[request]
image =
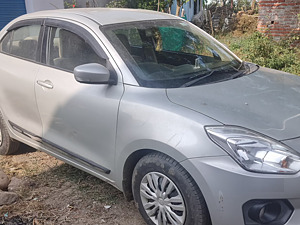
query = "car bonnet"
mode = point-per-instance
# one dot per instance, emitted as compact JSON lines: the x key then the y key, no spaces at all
{"x":266,"y":101}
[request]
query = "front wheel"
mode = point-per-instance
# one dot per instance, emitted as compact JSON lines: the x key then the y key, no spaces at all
{"x":166,"y":194}
{"x":7,"y":145}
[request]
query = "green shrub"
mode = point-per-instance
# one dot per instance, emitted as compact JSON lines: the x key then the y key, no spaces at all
{"x":260,"y":49}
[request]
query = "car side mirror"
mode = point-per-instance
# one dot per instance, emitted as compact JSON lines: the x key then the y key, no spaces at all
{"x":93,"y":73}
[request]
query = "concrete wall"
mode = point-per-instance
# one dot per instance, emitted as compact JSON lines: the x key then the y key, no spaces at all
{"x":279,"y":18}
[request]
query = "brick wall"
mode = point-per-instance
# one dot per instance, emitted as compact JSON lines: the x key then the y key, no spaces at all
{"x":279,"y":18}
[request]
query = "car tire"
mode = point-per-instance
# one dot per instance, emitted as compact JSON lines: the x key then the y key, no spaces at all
{"x":165,"y":193}
{"x":7,"y":145}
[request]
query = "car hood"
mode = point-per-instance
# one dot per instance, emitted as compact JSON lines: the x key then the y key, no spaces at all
{"x":267,"y":101}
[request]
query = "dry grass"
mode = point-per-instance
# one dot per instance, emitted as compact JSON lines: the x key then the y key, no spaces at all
{"x":62,"y":194}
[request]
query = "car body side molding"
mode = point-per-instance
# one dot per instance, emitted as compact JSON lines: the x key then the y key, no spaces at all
{"x":60,"y":150}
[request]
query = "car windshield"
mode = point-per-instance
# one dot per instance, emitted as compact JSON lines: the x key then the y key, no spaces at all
{"x":172,"y":53}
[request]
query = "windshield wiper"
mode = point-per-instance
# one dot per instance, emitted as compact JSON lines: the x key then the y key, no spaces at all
{"x":237,"y":72}
{"x":197,"y":78}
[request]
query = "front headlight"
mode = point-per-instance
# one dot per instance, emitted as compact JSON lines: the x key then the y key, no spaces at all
{"x":255,"y":152}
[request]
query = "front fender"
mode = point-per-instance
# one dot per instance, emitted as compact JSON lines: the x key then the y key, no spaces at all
{"x":147,"y":120}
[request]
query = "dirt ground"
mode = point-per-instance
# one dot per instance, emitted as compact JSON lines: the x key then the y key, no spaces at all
{"x":61,"y":194}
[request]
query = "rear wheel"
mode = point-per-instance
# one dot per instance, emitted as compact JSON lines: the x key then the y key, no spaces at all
{"x":7,"y":145}
{"x":166,"y":194}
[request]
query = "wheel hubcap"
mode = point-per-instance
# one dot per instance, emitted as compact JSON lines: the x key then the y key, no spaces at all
{"x":162,"y":200}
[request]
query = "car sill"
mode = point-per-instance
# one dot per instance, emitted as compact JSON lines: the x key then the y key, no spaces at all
{"x":60,"y":150}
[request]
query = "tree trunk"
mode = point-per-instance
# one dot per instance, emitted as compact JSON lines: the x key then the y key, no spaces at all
{"x":253,"y":4}
{"x":178,"y":7}
{"x":170,"y":2}
{"x":231,"y":5}
{"x":158,"y":3}
{"x":210,"y":23}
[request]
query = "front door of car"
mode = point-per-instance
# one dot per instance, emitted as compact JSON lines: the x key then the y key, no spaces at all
{"x":79,"y":119}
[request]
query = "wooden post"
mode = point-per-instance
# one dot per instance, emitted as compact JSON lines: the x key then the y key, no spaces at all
{"x":210,"y":22}
{"x":158,"y":3}
{"x":253,"y":4}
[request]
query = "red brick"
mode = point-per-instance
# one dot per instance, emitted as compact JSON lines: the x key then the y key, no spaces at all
{"x":271,"y":1}
{"x":283,"y":13}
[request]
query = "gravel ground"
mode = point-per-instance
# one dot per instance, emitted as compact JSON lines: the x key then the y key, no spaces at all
{"x":62,"y":194}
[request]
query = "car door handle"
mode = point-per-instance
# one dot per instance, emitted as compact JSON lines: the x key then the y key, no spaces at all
{"x":47,"y":84}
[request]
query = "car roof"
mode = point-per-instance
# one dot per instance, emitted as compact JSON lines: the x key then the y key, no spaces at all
{"x":104,"y":16}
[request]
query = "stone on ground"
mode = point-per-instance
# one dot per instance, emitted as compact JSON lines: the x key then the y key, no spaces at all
{"x":4,"y":181}
{"x":17,"y":184}
{"x":7,"y":198}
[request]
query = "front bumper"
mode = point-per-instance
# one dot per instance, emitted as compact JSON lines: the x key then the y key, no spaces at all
{"x":227,"y":187}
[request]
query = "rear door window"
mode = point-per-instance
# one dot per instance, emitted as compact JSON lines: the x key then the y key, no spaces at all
{"x":22,"y":42}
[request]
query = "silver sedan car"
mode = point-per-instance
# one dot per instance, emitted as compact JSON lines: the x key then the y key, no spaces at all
{"x":157,"y":108}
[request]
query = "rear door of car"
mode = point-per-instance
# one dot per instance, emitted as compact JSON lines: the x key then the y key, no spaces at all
{"x":78,"y":119}
{"x":19,"y":60}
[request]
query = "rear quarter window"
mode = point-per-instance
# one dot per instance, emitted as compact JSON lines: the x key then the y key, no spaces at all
{"x":5,"y":43}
